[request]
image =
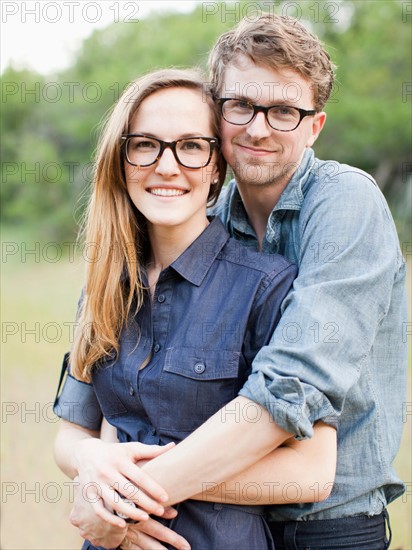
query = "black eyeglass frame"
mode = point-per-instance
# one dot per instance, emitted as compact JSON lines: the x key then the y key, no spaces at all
{"x":262,"y":109}
{"x":213,"y":144}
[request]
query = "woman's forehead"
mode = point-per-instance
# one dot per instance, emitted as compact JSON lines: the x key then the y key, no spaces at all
{"x":184,"y":110}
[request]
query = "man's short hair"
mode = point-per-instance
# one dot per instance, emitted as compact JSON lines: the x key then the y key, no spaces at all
{"x":276,"y":42}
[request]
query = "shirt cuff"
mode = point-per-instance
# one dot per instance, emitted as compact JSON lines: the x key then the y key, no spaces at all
{"x":291,"y":408}
{"x":77,"y":402}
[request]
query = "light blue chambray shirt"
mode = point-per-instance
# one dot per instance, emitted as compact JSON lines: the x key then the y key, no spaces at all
{"x":339,"y":352}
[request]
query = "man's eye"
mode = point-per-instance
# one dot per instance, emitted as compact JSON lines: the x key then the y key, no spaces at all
{"x":241,"y":105}
{"x":283,"y":111}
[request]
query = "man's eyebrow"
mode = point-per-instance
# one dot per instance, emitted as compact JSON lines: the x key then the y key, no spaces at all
{"x":242,"y":97}
{"x":238,"y":96}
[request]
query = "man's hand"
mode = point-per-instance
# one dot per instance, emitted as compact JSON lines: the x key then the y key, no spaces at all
{"x":149,"y":535}
{"x":104,"y":529}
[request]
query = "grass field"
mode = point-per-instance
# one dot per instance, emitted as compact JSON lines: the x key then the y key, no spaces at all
{"x":39,"y":295}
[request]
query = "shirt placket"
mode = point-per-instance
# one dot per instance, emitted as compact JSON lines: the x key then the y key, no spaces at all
{"x":161,"y":306}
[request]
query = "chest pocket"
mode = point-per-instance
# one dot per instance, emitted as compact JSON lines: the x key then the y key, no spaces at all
{"x":195,"y":384}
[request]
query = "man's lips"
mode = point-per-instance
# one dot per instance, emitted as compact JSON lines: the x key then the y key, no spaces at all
{"x":257,"y":151}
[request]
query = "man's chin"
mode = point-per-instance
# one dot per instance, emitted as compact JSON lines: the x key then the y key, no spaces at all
{"x":257,"y":175}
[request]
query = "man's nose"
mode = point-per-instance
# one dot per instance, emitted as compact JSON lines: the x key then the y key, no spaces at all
{"x":259,"y":127}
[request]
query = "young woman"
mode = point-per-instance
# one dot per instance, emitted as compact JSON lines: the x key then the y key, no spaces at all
{"x":172,"y":314}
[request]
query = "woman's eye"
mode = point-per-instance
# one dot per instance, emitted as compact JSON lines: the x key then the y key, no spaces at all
{"x":190,"y":145}
{"x":144,"y":145}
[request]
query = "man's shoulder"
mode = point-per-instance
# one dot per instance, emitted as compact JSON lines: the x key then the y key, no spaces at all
{"x":338,"y":185}
{"x":328,"y":174}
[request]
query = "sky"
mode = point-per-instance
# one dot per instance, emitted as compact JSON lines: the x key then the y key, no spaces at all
{"x":45,"y":35}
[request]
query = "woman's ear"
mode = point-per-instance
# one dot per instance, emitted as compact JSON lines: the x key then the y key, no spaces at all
{"x":214,"y":176}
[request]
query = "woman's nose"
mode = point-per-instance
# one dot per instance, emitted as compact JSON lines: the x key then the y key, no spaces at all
{"x":167,"y":165}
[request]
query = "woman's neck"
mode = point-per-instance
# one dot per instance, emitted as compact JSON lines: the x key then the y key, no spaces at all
{"x":168,"y":243}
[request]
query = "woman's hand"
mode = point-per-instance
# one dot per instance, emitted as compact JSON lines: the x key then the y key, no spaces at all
{"x":109,"y":470}
{"x":105,"y":471}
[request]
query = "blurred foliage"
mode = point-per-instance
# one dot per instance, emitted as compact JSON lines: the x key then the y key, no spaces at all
{"x":49,"y":125}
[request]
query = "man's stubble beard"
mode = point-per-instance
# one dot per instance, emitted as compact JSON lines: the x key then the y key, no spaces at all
{"x":256,"y":175}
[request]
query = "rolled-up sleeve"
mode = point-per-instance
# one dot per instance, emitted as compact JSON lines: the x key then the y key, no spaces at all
{"x":76,"y":401}
{"x":349,"y":260}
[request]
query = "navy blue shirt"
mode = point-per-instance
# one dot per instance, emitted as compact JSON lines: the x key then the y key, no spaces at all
{"x":213,"y":309}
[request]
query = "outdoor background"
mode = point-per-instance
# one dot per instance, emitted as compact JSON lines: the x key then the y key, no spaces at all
{"x":49,"y":126}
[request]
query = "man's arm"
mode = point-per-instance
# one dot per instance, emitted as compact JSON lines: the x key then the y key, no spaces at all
{"x":349,"y":258}
{"x":296,"y":472}
{"x":233,"y":439}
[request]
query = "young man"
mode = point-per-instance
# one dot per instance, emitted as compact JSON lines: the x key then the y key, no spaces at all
{"x":340,"y":348}
{"x":338,"y":354}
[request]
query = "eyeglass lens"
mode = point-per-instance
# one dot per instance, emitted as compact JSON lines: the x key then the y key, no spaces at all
{"x":144,"y":151}
{"x":280,"y":117}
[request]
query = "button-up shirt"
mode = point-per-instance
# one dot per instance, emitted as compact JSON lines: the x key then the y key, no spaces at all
{"x":339,"y":351}
{"x":213,"y":309}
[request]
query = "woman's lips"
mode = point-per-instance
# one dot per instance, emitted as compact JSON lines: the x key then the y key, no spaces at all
{"x":167,"y":191}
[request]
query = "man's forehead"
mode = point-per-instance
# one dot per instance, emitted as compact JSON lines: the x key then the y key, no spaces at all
{"x":245,"y":79}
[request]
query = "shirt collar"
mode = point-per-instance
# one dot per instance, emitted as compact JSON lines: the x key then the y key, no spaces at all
{"x":293,"y":195}
{"x":194,"y":263}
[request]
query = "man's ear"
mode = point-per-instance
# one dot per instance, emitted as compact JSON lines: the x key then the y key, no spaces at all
{"x":317,"y":124}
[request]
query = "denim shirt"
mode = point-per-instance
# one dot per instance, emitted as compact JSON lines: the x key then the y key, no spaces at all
{"x":213,"y":308}
{"x":339,"y":351}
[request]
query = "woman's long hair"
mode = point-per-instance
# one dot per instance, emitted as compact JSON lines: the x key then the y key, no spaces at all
{"x":114,"y":231}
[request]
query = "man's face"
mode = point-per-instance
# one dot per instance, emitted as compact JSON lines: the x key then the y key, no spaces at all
{"x":258,"y":154}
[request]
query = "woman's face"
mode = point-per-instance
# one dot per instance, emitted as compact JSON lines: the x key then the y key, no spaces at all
{"x":167,"y":193}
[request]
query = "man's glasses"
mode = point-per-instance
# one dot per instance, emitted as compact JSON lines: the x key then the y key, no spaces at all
{"x":280,"y":117}
{"x":193,"y":152}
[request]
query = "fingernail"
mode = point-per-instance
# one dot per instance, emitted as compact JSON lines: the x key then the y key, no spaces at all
{"x":160,"y":511}
{"x":144,"y":516}
{"x":164,"y":498}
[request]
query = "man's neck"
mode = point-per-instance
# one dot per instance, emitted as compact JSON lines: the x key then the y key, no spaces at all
{"x":259,"y":203}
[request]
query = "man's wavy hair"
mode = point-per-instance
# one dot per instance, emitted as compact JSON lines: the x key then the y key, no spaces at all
{"x":276,"y":42}
{"x":115,"y":232}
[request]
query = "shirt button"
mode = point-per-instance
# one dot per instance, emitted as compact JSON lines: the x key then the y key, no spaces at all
{"x":199,"y":368}
{"x":131,"y":390}
{"x":161,"y":298}
{"x":156,"y":348}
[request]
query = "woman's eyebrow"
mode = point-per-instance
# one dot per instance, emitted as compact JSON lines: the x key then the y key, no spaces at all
{"x":181,"y":136}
